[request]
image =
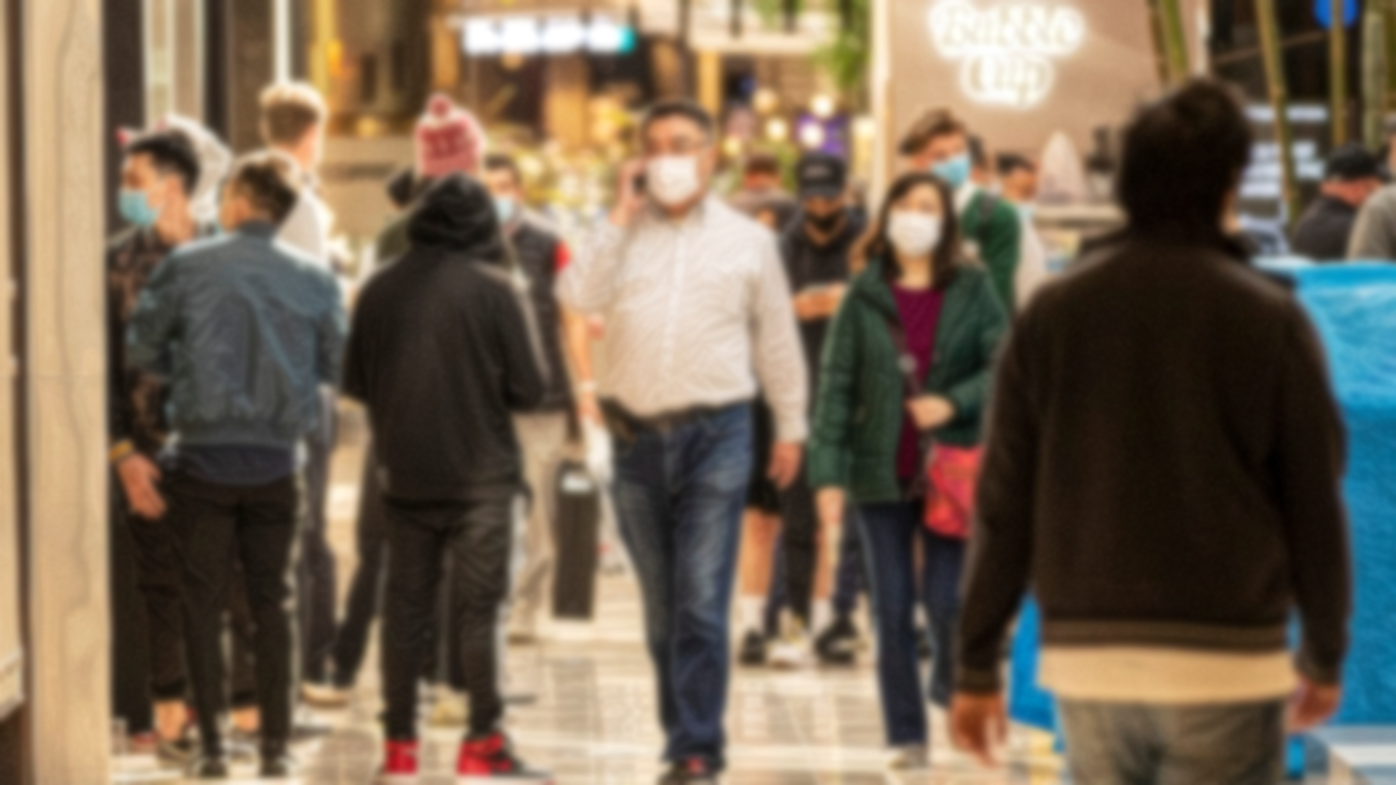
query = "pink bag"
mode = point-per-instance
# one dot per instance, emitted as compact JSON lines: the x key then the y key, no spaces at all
{"x":953,"y":474}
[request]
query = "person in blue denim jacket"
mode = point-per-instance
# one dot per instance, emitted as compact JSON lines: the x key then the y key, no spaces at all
{"x":244,"y":330}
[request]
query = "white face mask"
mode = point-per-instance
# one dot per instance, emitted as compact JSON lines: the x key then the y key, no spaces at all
{"x":672,"y":179}
{"x":913,"y":233}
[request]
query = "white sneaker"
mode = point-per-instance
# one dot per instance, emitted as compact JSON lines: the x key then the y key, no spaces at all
{"x":794,"y":649}
{"x":912,"y":757}
{"x":325,"y":696}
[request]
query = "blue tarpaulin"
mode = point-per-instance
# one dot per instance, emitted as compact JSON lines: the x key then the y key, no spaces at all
{"x":1354,"y":309}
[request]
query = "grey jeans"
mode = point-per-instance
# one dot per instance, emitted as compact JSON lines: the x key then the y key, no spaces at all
{"x":1132,"y":744}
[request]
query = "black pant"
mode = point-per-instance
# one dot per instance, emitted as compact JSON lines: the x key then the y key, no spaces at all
{"x":159,"y":577}
{"x":218,"y":525}
{"x":130,"y":650}
{"x":799,"y":525}
{"x":316,"y":569}
{"x":477,"y":537}
{"x":365,"y":592}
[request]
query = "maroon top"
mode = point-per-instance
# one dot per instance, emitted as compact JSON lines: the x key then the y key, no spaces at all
{"x":920,"y":312}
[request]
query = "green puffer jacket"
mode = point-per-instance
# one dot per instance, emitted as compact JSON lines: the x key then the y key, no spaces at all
{"x":858,"y":419}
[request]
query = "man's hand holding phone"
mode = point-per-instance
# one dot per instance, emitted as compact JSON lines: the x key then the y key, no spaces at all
{"x":630,"y":193}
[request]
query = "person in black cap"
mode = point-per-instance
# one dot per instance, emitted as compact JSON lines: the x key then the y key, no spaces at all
{"x":815,"y":247}
{"x":1350,"y":178}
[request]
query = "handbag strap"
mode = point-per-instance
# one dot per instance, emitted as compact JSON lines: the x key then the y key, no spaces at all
{"x":906,"y":361}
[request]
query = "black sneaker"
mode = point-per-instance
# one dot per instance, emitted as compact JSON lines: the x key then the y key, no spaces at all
{"x":209,"y":767}
{"x":279,"y":766}
{"x":753,"y":651}
{"x":277,"y":762}
{"x":694,"y":771}
{"x":838,"y":644}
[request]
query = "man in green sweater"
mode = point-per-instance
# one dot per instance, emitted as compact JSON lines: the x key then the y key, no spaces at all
{"x":994,"y":231}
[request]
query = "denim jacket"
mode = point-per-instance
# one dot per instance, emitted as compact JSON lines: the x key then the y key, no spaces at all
{"x":244,"y":330}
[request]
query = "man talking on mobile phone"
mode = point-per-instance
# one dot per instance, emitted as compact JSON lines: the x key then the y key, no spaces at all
{"x":697,"y":309}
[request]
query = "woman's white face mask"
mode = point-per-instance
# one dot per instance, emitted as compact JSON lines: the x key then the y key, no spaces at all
{"x":673,"y":179}
{"x":913,"y":233}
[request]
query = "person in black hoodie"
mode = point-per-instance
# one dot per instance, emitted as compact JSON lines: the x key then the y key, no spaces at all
{"x":442,"y":351}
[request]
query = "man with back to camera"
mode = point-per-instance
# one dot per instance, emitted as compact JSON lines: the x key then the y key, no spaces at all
{"x":695,"y":299}
{"x":543,"y":431}
{"x":1164,"y":471}
{"x":245,"y":331}
{"x":442,"y":353}
{"x":293,"y":119}
{"x":994,"y":231}
{"x":1350,"y":177}
{"x":1374,"y":234}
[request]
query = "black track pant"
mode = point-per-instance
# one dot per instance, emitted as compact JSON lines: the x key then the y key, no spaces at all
{"x":476,"y":537}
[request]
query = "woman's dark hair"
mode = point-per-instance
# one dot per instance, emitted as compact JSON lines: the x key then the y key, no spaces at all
{"x":877,"y":245}
{"x":1183,"y":156}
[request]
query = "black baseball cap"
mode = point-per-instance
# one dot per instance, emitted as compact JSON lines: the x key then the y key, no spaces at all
{"x":1351,"y":162}
{"x":821,"y":175}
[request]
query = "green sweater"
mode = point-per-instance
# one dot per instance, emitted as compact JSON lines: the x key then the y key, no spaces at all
{"x":993,"y":227}
{"x":860,"y":409}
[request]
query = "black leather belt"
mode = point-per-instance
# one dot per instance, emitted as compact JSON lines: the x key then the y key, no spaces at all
{"x":626,"y":426}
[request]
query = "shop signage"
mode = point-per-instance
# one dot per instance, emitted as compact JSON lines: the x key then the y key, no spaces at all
{"x":1007,"y":53}
{"x":527,"y":35}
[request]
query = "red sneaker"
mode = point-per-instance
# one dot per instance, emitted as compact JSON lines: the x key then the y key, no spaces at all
{"x":399,"y":764}
{"x":490,"y":759}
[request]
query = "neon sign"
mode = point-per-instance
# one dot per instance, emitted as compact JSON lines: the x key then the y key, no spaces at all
{"x":1006,"y":52}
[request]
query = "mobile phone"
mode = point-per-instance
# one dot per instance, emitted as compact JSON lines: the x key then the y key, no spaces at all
{"x":638,"y":184}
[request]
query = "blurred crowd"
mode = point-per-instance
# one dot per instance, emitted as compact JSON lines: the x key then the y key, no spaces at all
{"x":798,"y":396}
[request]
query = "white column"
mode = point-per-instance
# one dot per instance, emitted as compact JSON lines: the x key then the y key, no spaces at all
{"x":12,"y":657}
{"x":281,"y":36}
{"x":70,"y":644}
{"x":884,"y":116}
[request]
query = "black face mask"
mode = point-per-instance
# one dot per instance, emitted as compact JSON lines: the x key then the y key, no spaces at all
{"x":824,"y":223}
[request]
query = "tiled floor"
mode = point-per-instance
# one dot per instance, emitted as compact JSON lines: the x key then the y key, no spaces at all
{"x":592,"y":720}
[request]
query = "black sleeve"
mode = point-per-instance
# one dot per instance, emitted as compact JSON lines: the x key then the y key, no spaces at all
{"x":1309,"y":464}
{"x":521,"y":351}
{"x":354,"y":375}
{"x":1000,"y":553}
{"x":119,"y":404}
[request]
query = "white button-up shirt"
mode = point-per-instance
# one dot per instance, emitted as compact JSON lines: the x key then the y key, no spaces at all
{"x":697,"y":310}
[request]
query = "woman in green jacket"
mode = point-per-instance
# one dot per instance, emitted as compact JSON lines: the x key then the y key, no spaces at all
{"x":865,"y":446}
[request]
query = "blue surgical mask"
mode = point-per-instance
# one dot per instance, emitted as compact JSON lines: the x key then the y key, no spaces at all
{"x":955,"y":171}
{"x":506,"y":208}
{"x":135,"y":208}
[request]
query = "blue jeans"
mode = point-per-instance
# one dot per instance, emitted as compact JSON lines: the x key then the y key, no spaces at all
{"x":1130,"y":744}
{"x":848,"y":577}
{"x":890,"y":535}
{"x":679,"y":496}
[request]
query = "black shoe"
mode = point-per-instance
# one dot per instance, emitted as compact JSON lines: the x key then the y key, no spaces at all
{"x":209,"y":767}
{"x":277,"y":762}
{"x":279,"y":766}
{"x":694,"y":771}
{"x":838,"y":644}
{"x":179,"y":752}
{"x":753,"y":651}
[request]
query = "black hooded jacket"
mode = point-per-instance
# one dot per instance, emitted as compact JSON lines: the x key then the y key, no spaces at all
{"x":443,"y":349}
